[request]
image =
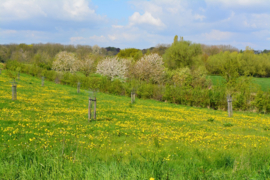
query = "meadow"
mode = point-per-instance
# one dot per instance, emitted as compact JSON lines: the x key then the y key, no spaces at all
{"x":45,"y":134}
{"x":262,"y":83}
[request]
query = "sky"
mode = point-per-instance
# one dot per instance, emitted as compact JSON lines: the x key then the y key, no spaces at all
{"x":136,"y":23}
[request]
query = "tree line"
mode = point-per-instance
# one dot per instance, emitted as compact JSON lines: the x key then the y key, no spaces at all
{"x":176,"y":73}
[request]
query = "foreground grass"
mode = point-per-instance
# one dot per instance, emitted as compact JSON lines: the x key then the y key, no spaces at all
{"x":263,"y":83}
{"x":45,"y":134}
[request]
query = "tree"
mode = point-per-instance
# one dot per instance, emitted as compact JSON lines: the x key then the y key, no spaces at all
{"x":160,"y":49}
{"x":230,"y":70}
{"x":136,"y":54}
{"x":175,"y":39}
{"x":113,"y":68}
{"x":149,"y":68}
{"x":96,"y":49}
{"x":86,"y":65}
{"x":43,"y":60}
{"x":3,"y":53}
{"x":65,"y":61}
{"x":181,"y":54}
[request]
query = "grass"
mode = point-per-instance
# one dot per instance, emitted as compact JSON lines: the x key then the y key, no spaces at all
{"x":45,"y":134}
{"x":264,"y":83}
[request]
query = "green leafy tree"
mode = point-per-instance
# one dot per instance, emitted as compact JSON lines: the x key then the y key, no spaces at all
{"x":181,"y":54}
{"x":133,"y":53}
{"x":175,"y":40}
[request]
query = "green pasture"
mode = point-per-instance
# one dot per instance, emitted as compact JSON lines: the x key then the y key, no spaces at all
{"x":45,"y":134}
{"x":263,"y":83}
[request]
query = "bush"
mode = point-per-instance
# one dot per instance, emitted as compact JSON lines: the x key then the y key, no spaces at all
{"x":262,"y":102}
{"x":12,"y":65}
{"x":116,"y":87}
{"x":145,"y":91}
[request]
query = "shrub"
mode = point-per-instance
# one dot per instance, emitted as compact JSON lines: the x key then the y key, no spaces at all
{"x":145,"y":91}
{"x":116,"y":87}
{"x":262,"y":102}
{"x":12,"y":65}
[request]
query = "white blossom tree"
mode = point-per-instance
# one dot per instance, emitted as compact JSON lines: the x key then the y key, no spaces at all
{"x":65,"y":61}
{"x":113,"y":68}
{"x":149,"y":68}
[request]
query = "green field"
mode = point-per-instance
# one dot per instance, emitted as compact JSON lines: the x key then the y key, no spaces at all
{"x":45,"y":134}
{"x":263,"y":83}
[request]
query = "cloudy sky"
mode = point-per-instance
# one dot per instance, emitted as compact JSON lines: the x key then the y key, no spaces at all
{"x":136,"y":23}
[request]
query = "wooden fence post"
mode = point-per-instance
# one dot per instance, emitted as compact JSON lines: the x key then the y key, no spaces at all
{"x":92,"y":94}
{"x":18,"y":75}
{"x":78,"y":87}
{"x":95,"y":114}
{"x":134,"y":95}
{"x":42,"y":82}
{"x":89,"y":109}
{"x":230,"y":110}
{"x":131,"y":97}
{"x":14,"y":91}
{"x":0,"y":71}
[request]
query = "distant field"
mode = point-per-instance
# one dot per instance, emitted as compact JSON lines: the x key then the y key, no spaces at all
{"x":264,"y":83}
{"x":45,"y":134}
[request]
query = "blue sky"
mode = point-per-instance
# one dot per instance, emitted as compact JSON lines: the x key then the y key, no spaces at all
{"x":136,"y":23}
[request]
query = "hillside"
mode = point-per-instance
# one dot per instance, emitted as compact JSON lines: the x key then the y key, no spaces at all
{"x":46,"y":134}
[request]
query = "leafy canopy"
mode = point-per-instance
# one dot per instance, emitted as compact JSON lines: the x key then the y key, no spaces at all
{"x":181,"y":54}
{"x":133,"y":53}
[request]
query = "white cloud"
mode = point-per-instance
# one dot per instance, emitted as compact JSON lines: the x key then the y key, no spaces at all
{"x":174,"y":14}
{"x":257,"y":21}
{"x":8,"y":31}
{"x":75,"y":39}
{"x":239,"y":3}
{"x":263,"y":34}
{"x":217,"y":35}
{"x":117,"y":26}
{"x":146,"y":18}
{"x":88,"y":40}
{"x":125,"y":35}
{"x":199,"y":17}
{"x":112,"y":37}
{"x":17,"y":9}
{"x":98,"y":38}
{"x":77,"y":10}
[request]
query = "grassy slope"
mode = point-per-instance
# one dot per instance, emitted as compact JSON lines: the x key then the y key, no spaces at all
{"x":264,"y":83}
{"x":45,"y":133}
